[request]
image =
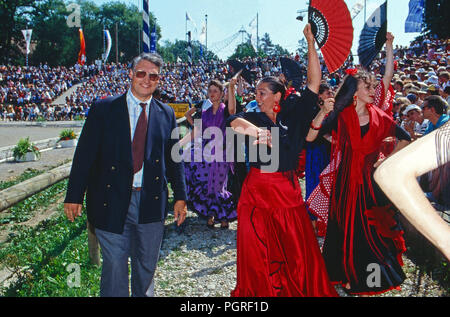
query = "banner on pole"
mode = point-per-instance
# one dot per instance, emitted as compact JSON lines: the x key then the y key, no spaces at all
{"x":27,"y":37}
{"x":153,"y":40}
{"x":356,"y":9}
{"x":253,"y":26}
{"x":108,"y":45}
{"x":82,"y":53}
{"x":414,"y":20}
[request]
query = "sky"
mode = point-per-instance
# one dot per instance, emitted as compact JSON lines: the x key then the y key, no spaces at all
{"x":277,"y":18}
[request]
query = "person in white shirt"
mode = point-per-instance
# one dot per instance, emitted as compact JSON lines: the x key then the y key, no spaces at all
{"x":416,"y":124}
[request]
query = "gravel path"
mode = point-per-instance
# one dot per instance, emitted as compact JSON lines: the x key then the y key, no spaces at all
{"x":201,"y":262}
{"x":10,"y":134}
{"x":197,"y":262}
{"x":49,"y":159}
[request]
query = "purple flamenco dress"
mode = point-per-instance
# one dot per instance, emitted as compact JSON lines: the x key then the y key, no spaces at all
{"x":207,"y":173}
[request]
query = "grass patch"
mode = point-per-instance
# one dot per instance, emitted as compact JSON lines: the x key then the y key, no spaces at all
{"x":29,"y":173}
{"x":24,"y":210}
{"x":44,"y":259}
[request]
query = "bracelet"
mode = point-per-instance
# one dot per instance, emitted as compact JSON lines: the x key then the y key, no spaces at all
{"x":315,"y":128}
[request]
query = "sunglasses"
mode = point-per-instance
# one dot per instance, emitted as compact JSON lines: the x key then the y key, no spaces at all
{"x":142,"y":74}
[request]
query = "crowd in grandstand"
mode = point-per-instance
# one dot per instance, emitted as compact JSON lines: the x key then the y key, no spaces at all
{"x":29,"y":94}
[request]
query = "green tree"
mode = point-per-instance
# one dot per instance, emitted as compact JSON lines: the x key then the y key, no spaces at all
{"x":279,"y":51}
{"x":55,"y":43}
{"x":266,"y":44}
{"x":437,"y":17}
{"x":244,"y":50}
{"x":14,"y":16}
{"x":302,"y":48}
{"x":270,"y":49}
{"x":172,"y":52}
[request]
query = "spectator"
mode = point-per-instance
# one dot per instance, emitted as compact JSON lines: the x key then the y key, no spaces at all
{"x":434,"y":109}
{"x":416,"y":125}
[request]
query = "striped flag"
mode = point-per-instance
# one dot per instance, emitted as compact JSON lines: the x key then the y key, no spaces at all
{"x":82,"y":53}
{"x":189,"y":52}
{"x":146,"y":28}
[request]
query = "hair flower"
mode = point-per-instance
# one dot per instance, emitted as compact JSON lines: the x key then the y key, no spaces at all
{"x":289,"y":92}
{"x":351,"y":71}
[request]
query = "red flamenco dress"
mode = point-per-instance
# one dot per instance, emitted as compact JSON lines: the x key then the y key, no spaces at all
{"x":364,"y":242}
{"x":278,"y":254}
{"x":277,"y":251}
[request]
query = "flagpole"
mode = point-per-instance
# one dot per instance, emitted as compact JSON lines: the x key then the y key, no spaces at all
{"x":146,"y":26}
{"x":206,"y":42}
{"x":27,"y":49}
{"x":257,"y":33}
{"x":365,"y":11}
{"x":139,"y":27}
{"x":117,"y":43}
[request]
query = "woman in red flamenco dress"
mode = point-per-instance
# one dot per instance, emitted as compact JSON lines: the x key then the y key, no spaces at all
{"x":277,"y":251}
{"x":364,"y":241}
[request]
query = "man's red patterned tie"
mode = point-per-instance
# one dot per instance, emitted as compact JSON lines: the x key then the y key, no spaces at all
{"x":139,"y":139}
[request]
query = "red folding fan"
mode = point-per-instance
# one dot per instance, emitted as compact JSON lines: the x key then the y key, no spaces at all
{"x":332,"y":27}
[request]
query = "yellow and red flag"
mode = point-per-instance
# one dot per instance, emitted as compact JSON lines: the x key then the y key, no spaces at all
{"x":82,"y":53}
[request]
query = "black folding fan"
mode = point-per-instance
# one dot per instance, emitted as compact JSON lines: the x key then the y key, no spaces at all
{"x":293,"y":71}
{"x":373,"y":36}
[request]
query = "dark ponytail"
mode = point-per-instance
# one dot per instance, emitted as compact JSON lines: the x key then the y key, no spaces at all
{"x":275,"y":85}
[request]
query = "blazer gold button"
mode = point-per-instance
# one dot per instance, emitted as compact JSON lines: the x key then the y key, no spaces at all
{"x":113,"y":168}
{"x":108,"y":186}
{"x":105,"y":204}
{"x":157,"y":178}
{"x":157,"y":161}
{"x":156,"y":198}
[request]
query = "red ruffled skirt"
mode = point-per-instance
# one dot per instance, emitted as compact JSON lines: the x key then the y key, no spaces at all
{"x":277,"y":252}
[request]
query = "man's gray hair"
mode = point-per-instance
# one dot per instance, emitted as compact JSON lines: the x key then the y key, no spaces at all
{"x":150,"y":57}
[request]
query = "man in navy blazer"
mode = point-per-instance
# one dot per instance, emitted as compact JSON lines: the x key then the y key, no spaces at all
{"x":123,"y":163}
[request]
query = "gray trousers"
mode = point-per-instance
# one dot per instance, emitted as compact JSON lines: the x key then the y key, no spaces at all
{"x":141,"y":243}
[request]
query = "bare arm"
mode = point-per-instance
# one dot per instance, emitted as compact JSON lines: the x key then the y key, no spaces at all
{"x":240,"y":89}
{"x":189,"y":114}
{"x":328,"y":106}
{"x":232,"y":96}
{"x":189,"y":137}
{"x":242,"y":126}
{"x":389,"y":67}
{"x":397,"y":178}
{"x":314,"y":74}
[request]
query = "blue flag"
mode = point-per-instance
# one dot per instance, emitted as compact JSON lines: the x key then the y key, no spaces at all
{"x":153,"y":40}
{"x":414,"y":20}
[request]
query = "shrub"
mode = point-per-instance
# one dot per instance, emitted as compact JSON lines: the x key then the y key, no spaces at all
{"x":23,"y":147}
{"x":67,"y":134}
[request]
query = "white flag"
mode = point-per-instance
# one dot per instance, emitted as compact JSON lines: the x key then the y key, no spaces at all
{"x":356,"y":9}
{"x":253,"y":23}
{"x":194,"y":25}
{"x":202,"y":36}
{"x":108,"y":44}
{"x":27,"y":36}
{"x":253,"y":32}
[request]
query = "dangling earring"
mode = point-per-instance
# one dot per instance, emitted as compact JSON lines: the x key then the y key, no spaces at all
{"x":276,"y":107}
{"x":355,"y":100}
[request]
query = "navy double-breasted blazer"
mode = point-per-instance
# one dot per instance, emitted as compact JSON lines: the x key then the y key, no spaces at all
{"x":103,"y":165}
